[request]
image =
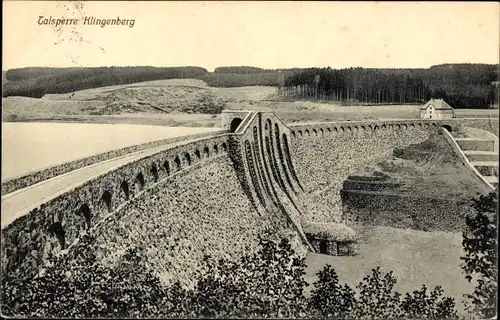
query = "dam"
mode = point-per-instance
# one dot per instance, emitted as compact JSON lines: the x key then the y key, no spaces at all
{"x":212,"y":194}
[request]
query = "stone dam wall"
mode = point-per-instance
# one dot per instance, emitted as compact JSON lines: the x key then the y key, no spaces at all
{"x":404,"y":211}
{"x":215,"y":195}
{"x":487,"y":124}
{"x":326,"y":154}
{"x":187,"y":216}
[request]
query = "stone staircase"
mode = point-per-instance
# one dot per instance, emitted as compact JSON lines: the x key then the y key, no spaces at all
{"x":483,"y":155}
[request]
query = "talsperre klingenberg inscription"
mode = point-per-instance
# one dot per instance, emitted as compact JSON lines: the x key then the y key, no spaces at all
{"x":89,"y":21}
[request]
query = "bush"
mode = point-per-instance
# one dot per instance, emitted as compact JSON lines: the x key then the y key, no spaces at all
{"x":481,"y":254}
{"x":375,"y":299}
{"x":266,"y":284}
{"x":420,"y":305}
{"x":329,"y":299}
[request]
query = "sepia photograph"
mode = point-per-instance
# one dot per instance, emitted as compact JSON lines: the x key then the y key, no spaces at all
{"x":250,"y":159}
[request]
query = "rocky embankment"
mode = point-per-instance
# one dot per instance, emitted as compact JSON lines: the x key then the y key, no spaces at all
{"x":423,"y":187}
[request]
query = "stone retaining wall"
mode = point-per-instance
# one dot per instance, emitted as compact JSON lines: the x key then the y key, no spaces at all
{"x":198,"y":212}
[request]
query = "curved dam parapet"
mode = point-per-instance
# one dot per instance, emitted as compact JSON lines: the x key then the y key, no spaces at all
{"x":213,"y":196}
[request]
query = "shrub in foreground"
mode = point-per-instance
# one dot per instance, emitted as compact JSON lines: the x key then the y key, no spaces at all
{"x":480,"y":261}
{"x":376,"y":299}
{"x":266,"y":284}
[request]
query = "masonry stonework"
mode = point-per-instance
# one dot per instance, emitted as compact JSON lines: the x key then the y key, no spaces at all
{"x":326,"y":154}
{"x":178,"y":221}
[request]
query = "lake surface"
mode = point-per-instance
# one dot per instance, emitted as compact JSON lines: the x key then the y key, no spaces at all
{"x":28,"y":147}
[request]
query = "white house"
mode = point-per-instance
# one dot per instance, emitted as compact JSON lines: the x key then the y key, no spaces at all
{"x":436,"y":109}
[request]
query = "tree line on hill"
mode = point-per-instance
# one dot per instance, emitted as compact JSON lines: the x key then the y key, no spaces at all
{"x":252,"y":70}
{"x":267,"y":283}
{"x":37,"y":82}
{"x":241,"y":70}
{"x":229,"y":80}
{"x":461,"y":85}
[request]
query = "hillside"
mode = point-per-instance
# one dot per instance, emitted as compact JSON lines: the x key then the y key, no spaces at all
{"x":36,"y":82}
{"x":96,"y":93}
{"x":184,"y":102}
{"x":462,"y":85}
{"x":155,"y":97}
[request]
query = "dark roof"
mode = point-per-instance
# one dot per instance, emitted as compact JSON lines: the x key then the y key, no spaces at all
{"x":329,"y":231}
{"x":439,"y":104}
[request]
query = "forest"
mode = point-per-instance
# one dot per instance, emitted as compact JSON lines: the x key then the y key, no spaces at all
{"x":37,"y":82}
{"x":461,"y":85}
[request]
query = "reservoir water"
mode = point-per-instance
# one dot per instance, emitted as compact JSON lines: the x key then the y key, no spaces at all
{"x":29,"y":147}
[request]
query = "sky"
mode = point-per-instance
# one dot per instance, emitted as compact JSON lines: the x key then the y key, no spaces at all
{"x":263,"y":34}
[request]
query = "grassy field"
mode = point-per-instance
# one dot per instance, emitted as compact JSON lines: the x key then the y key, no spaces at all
{"x":241,"y":94}
{"x":303,"y":111}
{"x":415,"y":257}
{"x":23,"y":107}
{"x":476,"y":113}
